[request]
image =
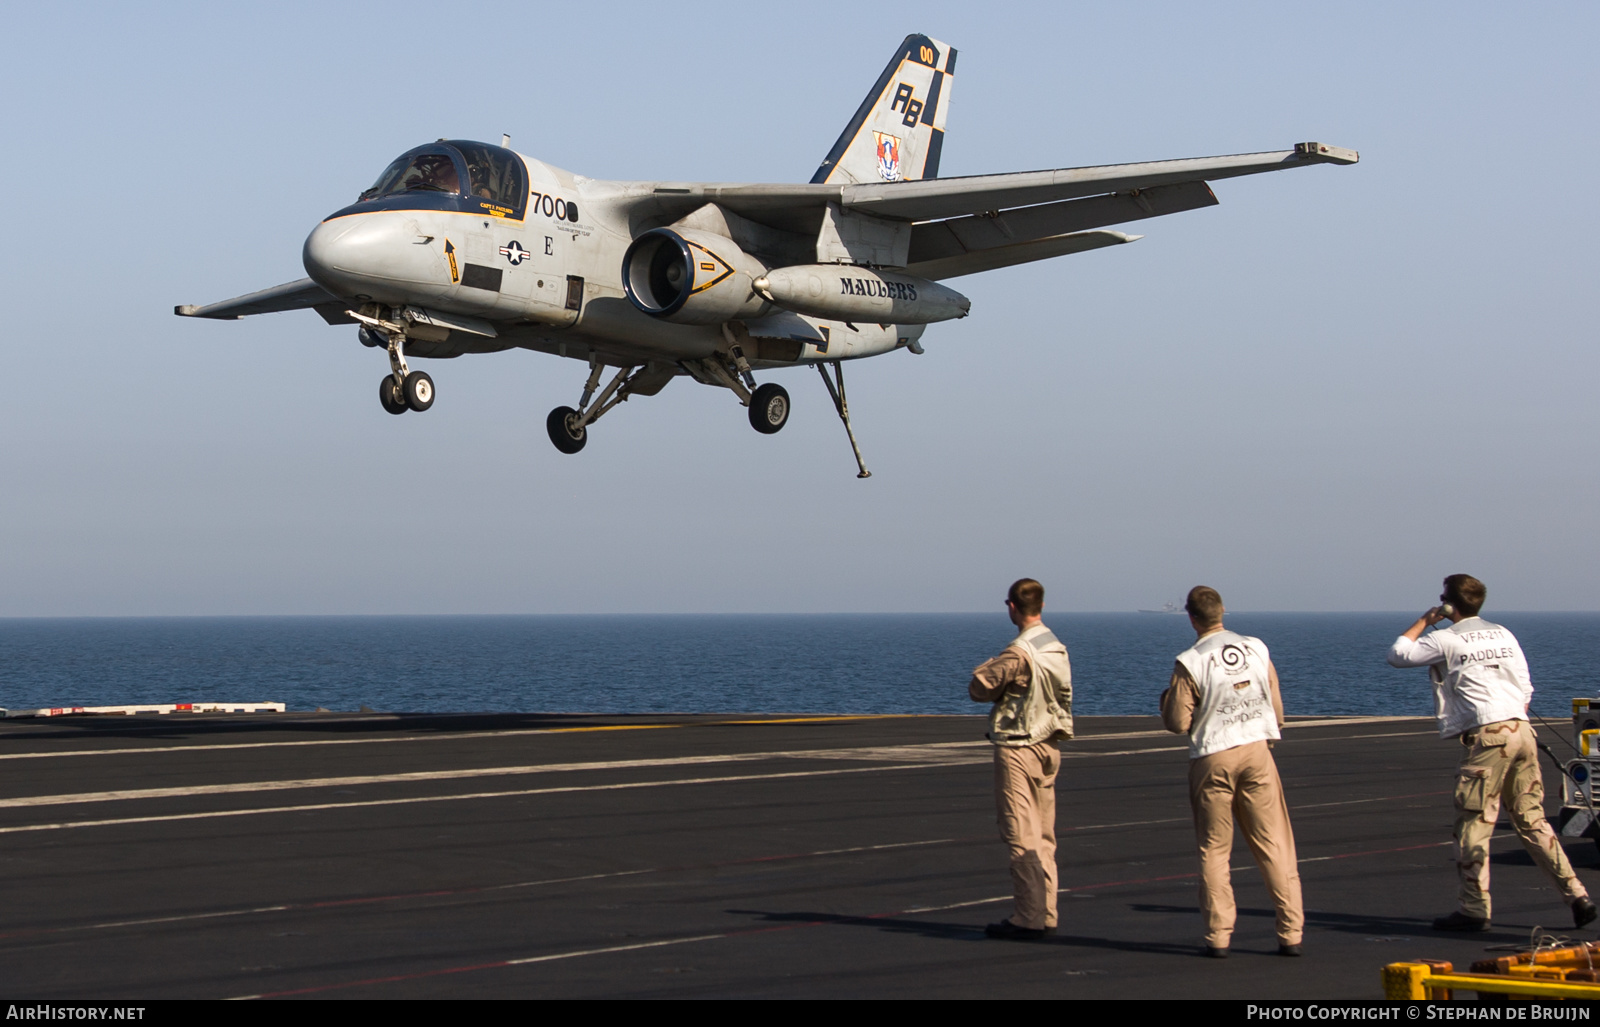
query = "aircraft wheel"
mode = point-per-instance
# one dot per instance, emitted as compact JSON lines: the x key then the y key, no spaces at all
{"x":561,"y":432}
{"x":419,"y":391}
{"x":769,"y":409}
{"x":390,"y":398}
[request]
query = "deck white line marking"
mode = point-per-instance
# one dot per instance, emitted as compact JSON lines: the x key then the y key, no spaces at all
{"x":530,"y":732}
{"x":141,"y":749}
{"x":447,"y":735}
{"x":1326,"y":722}
{"x":1352,"y":721}
{"x":1381,"y":798}
{"x":1306,"y":806}
{"x":313,"y":807}
{"x":1379,"y":852}
{"x":493,"y":966}
{"x":368,"y":900}
{"x":744,"y":933}
{"x":963,"y":905}
{"x":902,"y":753}
{"x":167,"y":919}
{"x":893,"y":754}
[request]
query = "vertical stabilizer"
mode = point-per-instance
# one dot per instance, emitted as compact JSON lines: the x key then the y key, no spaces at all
{"x":898,"y":131}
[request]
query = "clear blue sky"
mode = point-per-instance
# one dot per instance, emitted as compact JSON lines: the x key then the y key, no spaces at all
{"x":1323,"y":394}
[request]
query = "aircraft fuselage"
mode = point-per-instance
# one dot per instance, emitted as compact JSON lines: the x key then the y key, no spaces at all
{"x":547,"y":274}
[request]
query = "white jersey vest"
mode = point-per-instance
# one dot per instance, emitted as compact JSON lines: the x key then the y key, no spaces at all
{"x":1480,"y":675}
{"x":1235,"y":705}
{"x":1044,"y":711}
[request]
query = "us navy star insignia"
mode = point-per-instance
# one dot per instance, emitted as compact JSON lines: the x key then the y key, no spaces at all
{"x":513,"y":252}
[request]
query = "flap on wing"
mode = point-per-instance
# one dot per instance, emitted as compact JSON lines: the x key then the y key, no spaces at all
{"x":977,"y":194}
{"x":289,"y":296}
{"x":1019,"y":253}
{"x":938,"y":240}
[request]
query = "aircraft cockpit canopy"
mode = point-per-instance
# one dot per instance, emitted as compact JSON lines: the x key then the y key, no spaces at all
{"x":454,"y":175}
{"x":435,"y":172}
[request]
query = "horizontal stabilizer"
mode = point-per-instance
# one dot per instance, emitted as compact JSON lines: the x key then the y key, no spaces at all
{"x":1020,"y":253}
{"x":290,"y":296}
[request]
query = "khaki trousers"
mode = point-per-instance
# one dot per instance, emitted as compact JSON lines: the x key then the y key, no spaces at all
{"x":1025,"y":795}
{"x":1502,"y":766}
{"x":1243,"y":782}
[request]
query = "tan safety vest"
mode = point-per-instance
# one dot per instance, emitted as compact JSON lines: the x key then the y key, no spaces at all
{"x":1044,"y":710}
{"x":1235,"y":706}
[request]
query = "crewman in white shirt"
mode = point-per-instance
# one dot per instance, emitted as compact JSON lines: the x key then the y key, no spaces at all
{"x":1224,"y":693}
{"x":1481,"y":691}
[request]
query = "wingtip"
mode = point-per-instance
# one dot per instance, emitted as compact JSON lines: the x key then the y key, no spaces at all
{"x":1326,"y":154}
{"x":185,"y":309}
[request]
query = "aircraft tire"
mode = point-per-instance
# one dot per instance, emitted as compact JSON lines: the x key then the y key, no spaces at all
{"x":769,"y":409}
{"x":563,"y":437}
{"x":419,"y":391}
{"x":393,"y":403}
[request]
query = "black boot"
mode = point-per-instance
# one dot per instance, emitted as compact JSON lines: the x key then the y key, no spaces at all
{"x":1459,"y":921}
{"x":1008,"y":930}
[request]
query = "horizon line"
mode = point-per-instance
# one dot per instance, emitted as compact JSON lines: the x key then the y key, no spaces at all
{"x":727,"y":613}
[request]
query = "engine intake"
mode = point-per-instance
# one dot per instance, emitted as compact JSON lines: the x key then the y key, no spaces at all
{"x":691,"y":277}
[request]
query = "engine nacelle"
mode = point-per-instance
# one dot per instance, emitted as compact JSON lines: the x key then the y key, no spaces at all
{"x":842,"y":292}
{"x":691,"y":277}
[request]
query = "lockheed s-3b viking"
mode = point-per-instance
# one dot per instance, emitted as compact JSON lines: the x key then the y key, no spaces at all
{"x":464,"y":247}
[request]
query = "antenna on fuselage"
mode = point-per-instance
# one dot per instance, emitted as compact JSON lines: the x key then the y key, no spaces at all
{"x":505,"y":140}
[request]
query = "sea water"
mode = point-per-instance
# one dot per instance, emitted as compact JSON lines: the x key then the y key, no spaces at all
{"x":817,"y":663}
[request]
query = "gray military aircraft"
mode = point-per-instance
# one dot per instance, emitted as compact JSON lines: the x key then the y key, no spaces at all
{"x":464,"y":247}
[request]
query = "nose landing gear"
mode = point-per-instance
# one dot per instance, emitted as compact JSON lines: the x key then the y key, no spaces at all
{"x":401,"y":389}
{"x":392,"y":400}
{"x":418,"y":389}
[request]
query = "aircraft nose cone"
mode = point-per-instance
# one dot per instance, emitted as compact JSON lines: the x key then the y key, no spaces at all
{"x":370,"y":255}
{"x":322,"y":252}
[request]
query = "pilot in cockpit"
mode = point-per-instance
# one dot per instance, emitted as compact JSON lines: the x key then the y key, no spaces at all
{"x":479,"y":176}
{"x":432,"y":171}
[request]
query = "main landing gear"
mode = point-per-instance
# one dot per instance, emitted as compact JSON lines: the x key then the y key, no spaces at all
{"x":768,"y":405}
{"x":769,"y":409}
{"x":569,"y":428}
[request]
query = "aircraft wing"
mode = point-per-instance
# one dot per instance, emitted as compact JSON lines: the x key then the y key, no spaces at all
{"x":959,"y":217}
{"x":975,"y":194}
{"x":290,"y":296}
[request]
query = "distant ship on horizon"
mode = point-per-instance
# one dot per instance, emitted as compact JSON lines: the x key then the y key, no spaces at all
{"x":1166,"y":608}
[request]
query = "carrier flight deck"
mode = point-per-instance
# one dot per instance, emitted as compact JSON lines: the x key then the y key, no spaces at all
{"x":523,"y":856}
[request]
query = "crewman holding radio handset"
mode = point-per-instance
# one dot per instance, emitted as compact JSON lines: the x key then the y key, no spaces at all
{"x":1481,"y":693}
